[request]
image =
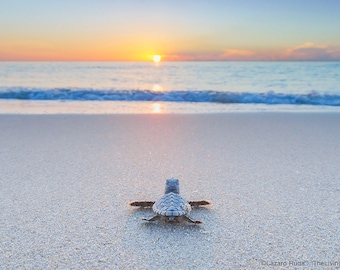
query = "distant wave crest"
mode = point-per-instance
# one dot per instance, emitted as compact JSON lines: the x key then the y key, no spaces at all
{"x":312,"y":98}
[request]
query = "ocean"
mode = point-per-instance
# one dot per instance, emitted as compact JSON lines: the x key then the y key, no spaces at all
{"x":168,"y":87}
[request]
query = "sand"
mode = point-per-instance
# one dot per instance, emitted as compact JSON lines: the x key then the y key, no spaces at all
{"x":273,"y":178}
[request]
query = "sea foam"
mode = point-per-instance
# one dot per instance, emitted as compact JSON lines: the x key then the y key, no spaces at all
{"x":271,"y":97}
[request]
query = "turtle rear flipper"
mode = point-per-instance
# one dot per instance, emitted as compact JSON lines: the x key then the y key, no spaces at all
{"x":199,"y":203}
{"x":186,"y":218}
{"x":157,"y":217}
{"x":142,"y":203}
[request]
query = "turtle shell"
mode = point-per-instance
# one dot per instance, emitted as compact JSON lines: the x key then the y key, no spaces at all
{"x":171,"y":205}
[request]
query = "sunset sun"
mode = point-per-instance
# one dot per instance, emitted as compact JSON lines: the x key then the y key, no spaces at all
{"x":156,"y":58}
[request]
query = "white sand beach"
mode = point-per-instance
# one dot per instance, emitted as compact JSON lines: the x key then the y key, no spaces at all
{"x":273,"y":179}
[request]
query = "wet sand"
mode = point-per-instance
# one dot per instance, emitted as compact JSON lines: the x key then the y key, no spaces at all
{"x":273,"y":178}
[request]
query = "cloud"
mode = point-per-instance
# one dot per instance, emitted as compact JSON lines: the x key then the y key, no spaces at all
{"x":236,"y":55}
{"x":306,"y":52}
{"x":226,"y":55}
{"x":311,"y":51}
{"x":197,"y":56}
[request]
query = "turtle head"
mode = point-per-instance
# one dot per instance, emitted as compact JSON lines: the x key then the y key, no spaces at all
{"x":172,"y":185}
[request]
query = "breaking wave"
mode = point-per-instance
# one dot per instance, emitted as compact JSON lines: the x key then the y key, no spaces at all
{"x":312,"y":98}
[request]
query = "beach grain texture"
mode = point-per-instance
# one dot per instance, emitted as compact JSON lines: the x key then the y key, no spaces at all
{"x":273,"y":179}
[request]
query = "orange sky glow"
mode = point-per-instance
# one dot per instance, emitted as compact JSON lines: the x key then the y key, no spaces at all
{"x":135,"y":30}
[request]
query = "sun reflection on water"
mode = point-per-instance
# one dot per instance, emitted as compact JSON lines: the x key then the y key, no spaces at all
{"x":157,"y":108}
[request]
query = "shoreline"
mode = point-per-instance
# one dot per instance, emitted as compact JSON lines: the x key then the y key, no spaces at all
{"x":273,"y":179}
{"x":41,"y":107}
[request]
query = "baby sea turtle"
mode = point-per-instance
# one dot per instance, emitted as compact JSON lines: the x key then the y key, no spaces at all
{"x":171,"y":206}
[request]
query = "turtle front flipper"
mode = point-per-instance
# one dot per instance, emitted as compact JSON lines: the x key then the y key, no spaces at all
{"x":199,"y":203}
{"x":157,"y":217}
{"x":142,"y":203}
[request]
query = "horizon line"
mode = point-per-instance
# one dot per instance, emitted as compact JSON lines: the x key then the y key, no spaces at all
{"x":171,"y":61}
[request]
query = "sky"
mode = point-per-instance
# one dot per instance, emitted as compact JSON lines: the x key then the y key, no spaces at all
{"x":178,"y":30}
